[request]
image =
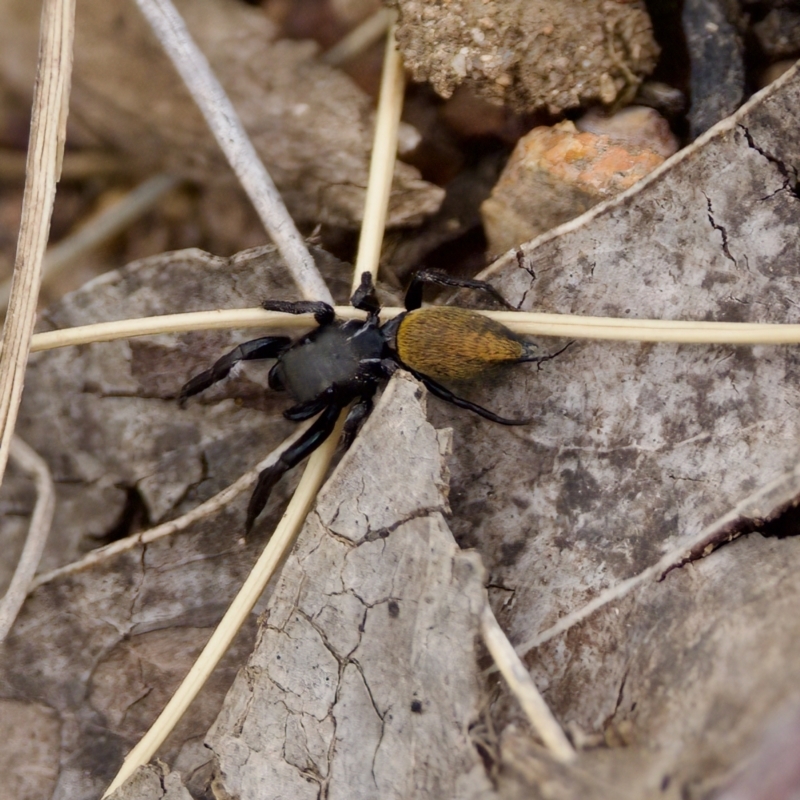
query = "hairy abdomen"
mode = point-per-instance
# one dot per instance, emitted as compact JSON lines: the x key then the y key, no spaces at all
{"x":455,"y":344}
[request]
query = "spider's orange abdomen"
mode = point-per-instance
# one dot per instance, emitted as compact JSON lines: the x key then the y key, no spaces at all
{"x":455,"y":344}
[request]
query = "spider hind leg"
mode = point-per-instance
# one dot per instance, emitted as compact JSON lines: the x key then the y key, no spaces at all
{"x":531,"y":358}
{"x":445,"y":394}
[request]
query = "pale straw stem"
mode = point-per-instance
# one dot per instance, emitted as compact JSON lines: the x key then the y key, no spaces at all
{"x":227,"y":128}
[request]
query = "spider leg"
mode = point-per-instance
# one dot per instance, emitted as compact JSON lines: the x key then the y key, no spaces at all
{"x":266,"y":347}
{"x":323,"y":313}
{"x":293,"y":455}
{"x":445,"y":394}
{"x":307,"y":409}
{"x":413,"y":299}
{"x":355,"y":419}
{"x":364,"y":298}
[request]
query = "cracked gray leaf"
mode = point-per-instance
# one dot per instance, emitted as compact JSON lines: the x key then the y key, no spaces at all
{"x":635,"y":446}
{"x":94,"y":657}
{"x":364,"y":681}
{"x":153,"y":782}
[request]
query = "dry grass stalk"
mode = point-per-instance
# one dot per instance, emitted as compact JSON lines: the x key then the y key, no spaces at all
{"x":381,"y":168}
{"x":270,"y":560}
{"x":77,"y":165}
{"x":748,"y":508}
{"x":224,"y":123}
{"x":38,"y":530}
{"x":528,"y":323}
{"x":45,"y":151}
{"x":524,"y":689}
{"x":364,"y":35}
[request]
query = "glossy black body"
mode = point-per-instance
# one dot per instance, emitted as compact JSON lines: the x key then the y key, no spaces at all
{"x":345,"y":354}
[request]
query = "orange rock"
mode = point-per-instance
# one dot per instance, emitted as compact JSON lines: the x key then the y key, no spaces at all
{"x":555,"y":174}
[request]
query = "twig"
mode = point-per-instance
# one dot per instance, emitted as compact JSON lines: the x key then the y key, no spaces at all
{"x":205,"y":509}
{"x":232,"y":138}
{"x":528,"y":323}
{"x":381,"y":168}
{"x":523,"y":688}
{"x":273,"y":555}
{"x":364,"y":35}
{"x":756,"y":506}
{"x":29,"y":462}
{"x":46,"y":147}
{"x":99,"y":229}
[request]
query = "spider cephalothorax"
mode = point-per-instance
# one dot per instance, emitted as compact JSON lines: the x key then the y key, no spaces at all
{"x":340,"y":362}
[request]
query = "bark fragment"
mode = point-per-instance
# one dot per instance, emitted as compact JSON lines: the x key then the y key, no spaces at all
{"x":364,"y":680}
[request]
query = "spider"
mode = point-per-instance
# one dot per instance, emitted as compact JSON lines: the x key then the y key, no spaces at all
{"x":343,"y":362}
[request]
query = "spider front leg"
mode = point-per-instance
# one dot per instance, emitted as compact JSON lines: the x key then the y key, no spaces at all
{"x":323,"y":313}
{"x":308,"y":408}
{"x":413,"y":299}
{"x":254,"y":350}
{"x":364,"y":298}
{"x":319,"y":431}
{"x":355,"y":419}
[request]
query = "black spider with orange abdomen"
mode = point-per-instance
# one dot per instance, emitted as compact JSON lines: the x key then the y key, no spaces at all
{"x":340,"y":362}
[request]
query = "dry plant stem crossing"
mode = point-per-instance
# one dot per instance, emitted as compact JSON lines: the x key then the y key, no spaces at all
{"x":232,"y":138}
{"x":527,"y":323}
{"x":77,"y":165}
{"x":45,"y":151}
{"x":205,"y":509}
{"x":381,"y":167}
{"x":29,"y":462}
{"x":274,"y":553}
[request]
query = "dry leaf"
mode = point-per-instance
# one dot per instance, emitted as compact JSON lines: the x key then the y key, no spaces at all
{"x":364,"y":682}
{"x":310,"y":123}
{"x":635,"y":446}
